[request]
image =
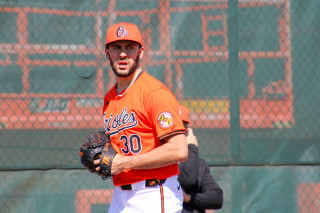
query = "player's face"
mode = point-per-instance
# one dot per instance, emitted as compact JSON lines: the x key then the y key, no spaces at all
{"x":124,"y":57}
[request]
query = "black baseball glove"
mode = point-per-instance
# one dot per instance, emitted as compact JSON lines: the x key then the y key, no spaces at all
{"x":97,"y":145}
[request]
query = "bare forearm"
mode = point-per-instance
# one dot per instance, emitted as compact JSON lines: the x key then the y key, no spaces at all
{"x":154,"y":159}
{"x":172,"y":151}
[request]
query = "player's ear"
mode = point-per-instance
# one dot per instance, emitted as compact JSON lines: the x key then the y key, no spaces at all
{"x":107,"y":53}
{"x":141,"y":51}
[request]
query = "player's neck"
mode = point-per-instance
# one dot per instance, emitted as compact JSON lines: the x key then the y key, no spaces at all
{"x":125,"y":83}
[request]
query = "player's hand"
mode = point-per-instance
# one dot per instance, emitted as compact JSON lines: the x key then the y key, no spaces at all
{"x":191,"y":138}
{"x":97,"y":164}
{"x":116,"y":165}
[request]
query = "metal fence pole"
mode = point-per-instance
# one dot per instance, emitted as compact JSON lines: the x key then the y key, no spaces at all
{"x":233,"y":47}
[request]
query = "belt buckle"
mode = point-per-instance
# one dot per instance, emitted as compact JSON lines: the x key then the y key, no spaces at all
{"x":152,"y":182}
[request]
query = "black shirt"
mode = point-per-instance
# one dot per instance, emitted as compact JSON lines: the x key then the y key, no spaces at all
{"x":196,"y":179}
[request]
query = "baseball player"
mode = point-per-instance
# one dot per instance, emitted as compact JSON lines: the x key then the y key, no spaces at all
{"x":141,"y":115}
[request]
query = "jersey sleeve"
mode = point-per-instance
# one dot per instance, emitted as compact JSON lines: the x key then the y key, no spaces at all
{"x":163,"y":113}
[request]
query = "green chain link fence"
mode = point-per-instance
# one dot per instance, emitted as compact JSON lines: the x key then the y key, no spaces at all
{"x":248,"y":71}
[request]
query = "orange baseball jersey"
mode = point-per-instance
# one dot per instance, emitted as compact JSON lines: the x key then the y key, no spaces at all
{"x":138,"y":120}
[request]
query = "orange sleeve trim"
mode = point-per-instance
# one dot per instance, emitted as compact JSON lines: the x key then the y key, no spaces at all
{"x":161,"y":138}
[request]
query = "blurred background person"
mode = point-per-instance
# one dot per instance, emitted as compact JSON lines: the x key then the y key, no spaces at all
{"x":200,"y":190}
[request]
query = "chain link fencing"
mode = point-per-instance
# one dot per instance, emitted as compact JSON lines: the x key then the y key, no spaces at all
{"x":248,"y":71}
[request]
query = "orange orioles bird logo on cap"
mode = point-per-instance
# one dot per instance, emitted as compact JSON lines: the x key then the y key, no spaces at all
{"x":165,"y":119}
{"x":121,"y":31}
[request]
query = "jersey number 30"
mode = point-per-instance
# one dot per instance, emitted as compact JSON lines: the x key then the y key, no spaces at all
{"x":131,"y":144}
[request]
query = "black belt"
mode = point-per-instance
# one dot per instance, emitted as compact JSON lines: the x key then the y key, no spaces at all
{"x":149,"y":182}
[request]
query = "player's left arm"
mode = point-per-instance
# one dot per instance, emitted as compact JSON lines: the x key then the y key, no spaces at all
{"x":174,"y":150}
